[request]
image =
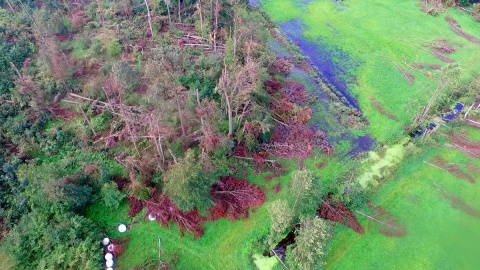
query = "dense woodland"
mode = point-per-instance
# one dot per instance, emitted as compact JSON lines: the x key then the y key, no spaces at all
{"x":150,"y":101}
{"x":161,"y":103}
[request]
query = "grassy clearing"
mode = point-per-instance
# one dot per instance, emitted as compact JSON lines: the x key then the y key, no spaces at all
{"x":375,"y":33}
{"x":224,"y":245}
{"x":441,"y":235}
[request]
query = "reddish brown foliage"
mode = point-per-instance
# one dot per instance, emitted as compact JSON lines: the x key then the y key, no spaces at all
{"x":89,"y":169}
{"x":473,"y":120}
{"x":270,"y":177}
{"x":457,"y":29}
{"x":121,"y":182}
{"x":272,"y":86}
{"x":210,"y":140}
{"x":453,"y":169}
{"x":165,"y":211}
{"x":295,"y":92}
{"x":282,"y":105}
{"x":134,"y":206}
{"x":117,"y":247}
{"x":388,"y":224}
{"x":459,"y":203}
{"x":440,"y":56}
{"x":440,"y":45}
{"x":61,"y":113}
{"x":382,"y":110}
{"x":281,"y":66}
{"x":461,"y":142}
{"x":434,"y":66}
{"x":277,"y":188}
{"x":240,"y":151}
{"x":337,"y":212}
{"x":234,"y":197}
{"x":296,"y":141}
{"x":259,"y":158}
{"x":410,"y":78}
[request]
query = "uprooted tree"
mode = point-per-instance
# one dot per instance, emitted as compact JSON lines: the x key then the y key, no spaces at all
{"x":337,"y":212}
{"x":387,"y":224}
{"x":165,"y":211}
{"x":233,"y":198}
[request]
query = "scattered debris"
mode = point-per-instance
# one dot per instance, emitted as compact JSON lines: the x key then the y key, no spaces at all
{"x":408,"y":76}
{"x":457,"y":29}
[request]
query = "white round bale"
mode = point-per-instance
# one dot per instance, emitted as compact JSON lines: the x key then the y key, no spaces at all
{"x":109,"y":256}
{"x":109,"y":263}
{"x":105,"y":241}
{"x":122,"y":228}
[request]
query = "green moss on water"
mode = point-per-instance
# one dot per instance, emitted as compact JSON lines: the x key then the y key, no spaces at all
{"x":264,"y":263}
{"x":380,"y":166}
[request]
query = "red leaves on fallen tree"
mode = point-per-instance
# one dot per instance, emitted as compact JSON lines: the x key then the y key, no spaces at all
{"x":134,"y":206}
{"x":336,"y":211}
{"x":296,"y":141}
{"x":165,"y":211}
{"x":234,"y":197}
{"x":295,"y":92}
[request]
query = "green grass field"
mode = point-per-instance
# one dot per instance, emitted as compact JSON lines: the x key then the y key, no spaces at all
{"x":440,"y":235}
{"x":224,"y":245}
{"x":381,"y":34}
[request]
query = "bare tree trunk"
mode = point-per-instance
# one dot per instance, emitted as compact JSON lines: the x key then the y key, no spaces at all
{"x":227,"y":100}
{"x":198,"y":103}
{"x":167,"y":3}
{"x":180,"y":116}
{"x":88,"y":122}
{"x":149,"y":18}
{"x":216,"y":13}
{"x":10,"y":5}
{"x":374,"y":219}
{"x":199,"y":7}
{"x":179,"y":10}
{"x":127,"y":123}
{"x":280,"y":260}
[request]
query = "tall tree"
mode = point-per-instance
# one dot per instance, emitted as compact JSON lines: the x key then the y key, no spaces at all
{"x":187,"y":185}
{"x":310,"y":245}
{"x":306,"y":189}
{"x":281,"y":216}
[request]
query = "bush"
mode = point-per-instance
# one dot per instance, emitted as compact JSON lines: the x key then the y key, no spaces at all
{"x":111,"y":195}
{"x":113,"y":48}
{"x":54,"y":240}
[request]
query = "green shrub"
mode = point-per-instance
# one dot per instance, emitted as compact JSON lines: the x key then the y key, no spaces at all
{"x":111,"y":195}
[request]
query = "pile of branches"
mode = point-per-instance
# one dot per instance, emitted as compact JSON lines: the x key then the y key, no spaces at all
{"x":165,"y":211}
{"x":233,"y":198}
{"x":134,"y":206}
{"x":440,"y":45}
{"x":338,"y":212}
{"x":296,"y":141}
